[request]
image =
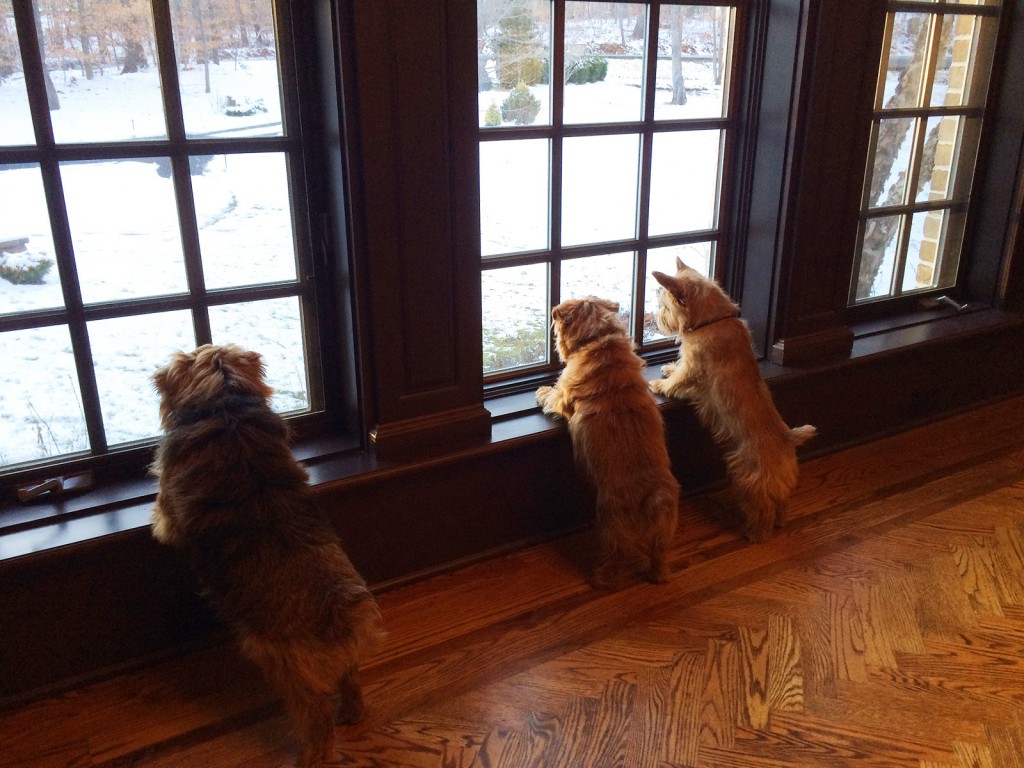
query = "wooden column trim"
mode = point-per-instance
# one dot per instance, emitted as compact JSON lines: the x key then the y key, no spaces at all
{"x":418,"y":245}
{"x":827,"y":145}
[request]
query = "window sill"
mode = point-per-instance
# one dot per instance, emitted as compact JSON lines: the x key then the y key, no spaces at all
{"x":121,"y":509}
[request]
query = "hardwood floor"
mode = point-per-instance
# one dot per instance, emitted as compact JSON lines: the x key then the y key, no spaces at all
{"x":883,"y":626}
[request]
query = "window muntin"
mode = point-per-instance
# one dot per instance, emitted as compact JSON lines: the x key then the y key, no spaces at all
{"x":171,"y":215}
{"x":930,"y":99}
{"x":593,"y":180}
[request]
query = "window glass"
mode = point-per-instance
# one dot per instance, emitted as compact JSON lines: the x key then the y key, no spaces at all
{"x":599,"y":186}
{"x":929,"y":108}
{"x":513,"y":196}
{"x":515,"y":316}
{"x":227,"y":65}
{"x":513,"y":62}
{"x":101,"y":69}
{"x":15,"y":117}
{"x":684,"y":201}
{"x":597,"y":50}
{"x":29,"y":277}
{"x":243,"y":211}
{"x":694,"y":61}
{"x":126,"y":351}
{"x":40,"y":402}
{"x":115,"y":253}
{"x":126,"y":245}
{"x":274,"y":328}
{"x":609,"y":276}
{"x":626,"y":172}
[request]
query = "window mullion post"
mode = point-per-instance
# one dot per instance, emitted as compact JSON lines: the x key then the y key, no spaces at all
{"x":646,"y":154}
{"x":180,"y":170}
{"x":32,"y":58}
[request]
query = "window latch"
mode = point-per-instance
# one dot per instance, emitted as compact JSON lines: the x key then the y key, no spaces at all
{"x":55,"y":486}
{"x":946,"y":299}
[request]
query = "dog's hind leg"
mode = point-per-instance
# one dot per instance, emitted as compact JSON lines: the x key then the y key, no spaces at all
{"x":350,"y":698}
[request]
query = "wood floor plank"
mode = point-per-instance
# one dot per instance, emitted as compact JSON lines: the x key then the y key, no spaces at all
{"x":883,"y":626}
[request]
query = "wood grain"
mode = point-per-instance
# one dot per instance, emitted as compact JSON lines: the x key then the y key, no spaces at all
{"x":883,"y":626}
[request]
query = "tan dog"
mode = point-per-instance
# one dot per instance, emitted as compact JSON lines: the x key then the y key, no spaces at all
{"x":236,"y":502}
{"x":717,"y":370}
{"x":618,"y":439}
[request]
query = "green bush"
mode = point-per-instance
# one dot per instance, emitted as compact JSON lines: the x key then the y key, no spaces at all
{"x":586,"y":69}
{"x":532,"y":70}
{"x":492,"y":117}
{"x":24,"y":268}
{"x":521,"y":107}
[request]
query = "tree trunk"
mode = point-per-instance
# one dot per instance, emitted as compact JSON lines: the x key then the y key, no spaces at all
{"x":678,"y":84}
{"x":52,"y":99}
{"x":243,"y":27}
{"x":83,"y":35}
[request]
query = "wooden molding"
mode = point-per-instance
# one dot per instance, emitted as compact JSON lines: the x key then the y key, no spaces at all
{"x":829,"y":344}
{"x":401,"y":438}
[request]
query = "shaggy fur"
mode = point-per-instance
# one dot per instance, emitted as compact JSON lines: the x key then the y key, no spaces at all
{"x":237,"y":504}
{"x":618,"y":440}
{"x":717,"y":370}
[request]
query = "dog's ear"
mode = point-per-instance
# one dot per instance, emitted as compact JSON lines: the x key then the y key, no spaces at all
{"x":565,"y":312}
{"x":247,"y":370}
{"x":170,"y":377}
{"x":672,"y":285}
{"x":679,"y":265}
{"x":607,"y":304}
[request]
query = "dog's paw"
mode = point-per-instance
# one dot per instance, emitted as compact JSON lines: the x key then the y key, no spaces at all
{"x":542,"y":394}
{"x":658,"y":386}
{"x":668,"y":369}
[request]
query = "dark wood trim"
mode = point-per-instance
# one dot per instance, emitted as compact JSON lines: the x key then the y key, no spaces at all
{"x":115,"y":597}
{"x":834,"y":342}
{"x":814,"y":259}
{"x":419,"y":248}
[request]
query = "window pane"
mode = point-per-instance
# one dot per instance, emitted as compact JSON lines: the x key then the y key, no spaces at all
{"x":684,"y":181}
{"x":695,"y":255}
{"x":934,"y":251}
{"x":599,"y":89}
{"x":878,"y":257}
{"x":513,"y":58}
{"x":965,"y":61}
{"x":40,"y":404}
{"x":891,"y":162}
{"x":15,"y":118}
{"x":227,"y":68}
{"x":513,"y":196}
{"x":607,"y":277}
{"x":274,"y":329}
{"x":244,"y":217}
{"x":126,"y":351}
{"x":102,"y":77}
{"x":938,"y":158}
{"x":124,"y":227}
{"x":905,"y":58}
{"x":599,"y":186}
{"x":29,"y":278}
{"x":694,"y":60}
{"x":515,"y":316}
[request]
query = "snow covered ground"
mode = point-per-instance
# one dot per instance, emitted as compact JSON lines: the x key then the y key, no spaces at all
{"x":127,"y":244}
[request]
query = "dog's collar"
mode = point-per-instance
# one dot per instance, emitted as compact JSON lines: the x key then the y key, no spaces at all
{"x":706,"y":323}
{"x":189,"y":416}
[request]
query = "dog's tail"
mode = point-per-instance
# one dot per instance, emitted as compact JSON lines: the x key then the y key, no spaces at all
{"x":800,"y":435}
